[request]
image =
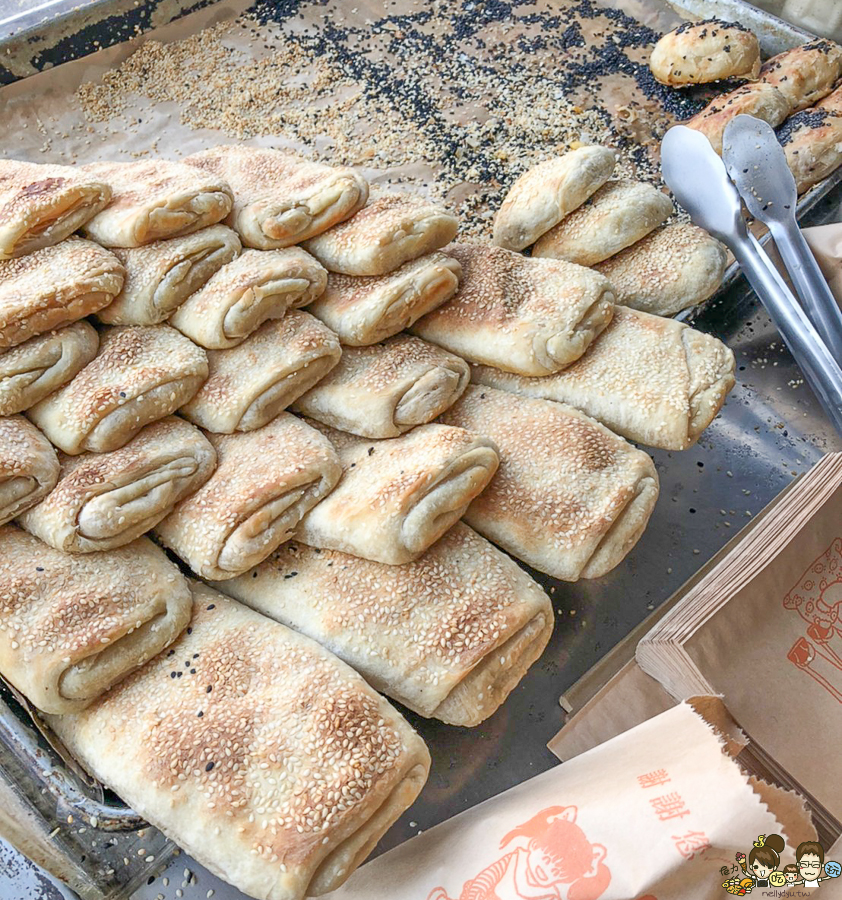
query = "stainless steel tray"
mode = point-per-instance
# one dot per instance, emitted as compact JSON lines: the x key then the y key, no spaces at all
{"x":770,"y":430}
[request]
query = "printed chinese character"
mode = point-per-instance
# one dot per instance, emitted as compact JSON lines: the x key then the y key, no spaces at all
{"x":669,"y":806}
{"x":653,"y":779}
{"x":724,"y":871}
{"x":693,"y":842}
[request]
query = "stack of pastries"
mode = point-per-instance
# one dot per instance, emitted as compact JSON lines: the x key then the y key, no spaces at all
{"x":316,"y":402}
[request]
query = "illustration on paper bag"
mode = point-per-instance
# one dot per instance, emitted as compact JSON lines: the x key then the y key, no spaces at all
{"x":762,"y":868}
{"x":551,"y":859}
{"x":817,"y":598}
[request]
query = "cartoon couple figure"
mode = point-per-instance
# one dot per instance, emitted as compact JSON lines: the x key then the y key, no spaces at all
{"x":765,"y":857}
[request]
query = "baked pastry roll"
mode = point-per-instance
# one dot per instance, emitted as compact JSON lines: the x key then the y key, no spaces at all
{"x":546,"y":193}
{"x":570,"y":498}
{"x":833,"y":101}
{"x":384,"y":390}
{"x":162,"y":275}
{"x":41,"y":205}
{"x":75,"y":624}
{"x":449,"y":636}
{"x":804,"y":74}
{"x":363,"y":311}
{"x":281,"y":199}
{"x":251,"y":383}
{"x":156,"y":199}
{"x":701,"y":52}
{"x":258,"y":285}
{"x":28,"y":466}
{"x":812,"y":142}
{"x":674,"y":268}
{"x":270,"y":761}
{"x":532,"y":316}
{"x":391,"y":230}
{"x":41,"y":365}
{"x":54,"y":287}
{"x":106,"y":500}
{"x":398,"y":496}
{"x":617,"y":215}
{"x":265,"y":481}
{"x":650,"y":379}
{"x":140,"y":375}
{"x":761,"y":100}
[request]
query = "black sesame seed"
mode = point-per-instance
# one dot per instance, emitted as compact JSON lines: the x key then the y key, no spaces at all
{"x":209,"y":766}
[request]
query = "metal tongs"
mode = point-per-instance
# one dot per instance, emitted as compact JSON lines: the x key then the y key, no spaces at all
{"x":698,"y":178}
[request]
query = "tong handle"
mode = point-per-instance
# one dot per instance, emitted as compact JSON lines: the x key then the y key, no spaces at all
{"x":820,"y":369}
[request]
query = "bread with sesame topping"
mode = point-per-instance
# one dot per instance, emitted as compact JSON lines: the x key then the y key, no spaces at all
{"x":43,"y":364}
{"x":258,"y":752}
{"x":41,"y":205}
{"x":106,"y":500}
{"x":651,"y":379}
{"x":546,"y":193}
{"x":701,"y":52}
{"x":250,"y":384}
{"x":265,"y":481}
{"x":384,"y":390}
{"x":833,"y":101}
{"x":673,"y":268}
{"x":162,"y":275}
{"x":28,"y":466}
{"x":281,"y":199}
{"x":390,"y":230}
{"x":449,"y":636}
{"x":398,"y":496}
{"x":365,"y":310}
{"x":761,"y":100}
{"x":570,"y":498}
{"x":531,"y":316}
{"x":805,"y":74}
{"x":241,"y":296}
{"x":618,"y":214}
{"x":153,"y":200}
{"x":141,"y":374}
{"x":54,"y":287}
{"x":812,"y":142}
{"x":72,"y":625}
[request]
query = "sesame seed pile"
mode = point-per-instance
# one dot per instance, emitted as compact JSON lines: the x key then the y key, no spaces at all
{"x":455,"y":98}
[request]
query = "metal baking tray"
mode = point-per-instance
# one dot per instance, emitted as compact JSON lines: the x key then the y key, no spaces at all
{"x":770,"y":431}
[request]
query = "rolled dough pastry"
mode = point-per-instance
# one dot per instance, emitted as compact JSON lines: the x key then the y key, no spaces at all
{"x":833,"y":101}
{"x":532,"y":316}
{"x":364,"y":311}
{"x":251,"y":383}
{"x":54,"y":287}
{"x":106,"y":500}
{"x":449,"y":636}
{"x":162,"y":275}
{"x":41,"y":205}
{"x":259,"y":753}
{"x":28,"y":466}
{"x":812,"y":142}
{"x":281,"y":199}
{"x":43,"y":364}
{"x":384,"y":390}
{"x":650,"y":379}
{"x":258,"y":285}
{"x":673,"y":268}
{"x":546,"y":193}
{"x":141,"y":374}
{"x":805,"y":74}
{"x":265,"y":481}
{"x":153,"y":200}
{"x":398,"y":496}
{"x":617,"y":215}
{"x":391,"y":230}
{"x":570,"y":498}
{"x":75,"y":624}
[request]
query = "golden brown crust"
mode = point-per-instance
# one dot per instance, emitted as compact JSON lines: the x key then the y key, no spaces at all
{"x":28,"y":466}
{"x":281,"y":199}
{"x":141,"y":374}
{"x":804,"y":74}
{"x":812,"y":142}
{"x":701,"y":52}
{"x":54,"y":287}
